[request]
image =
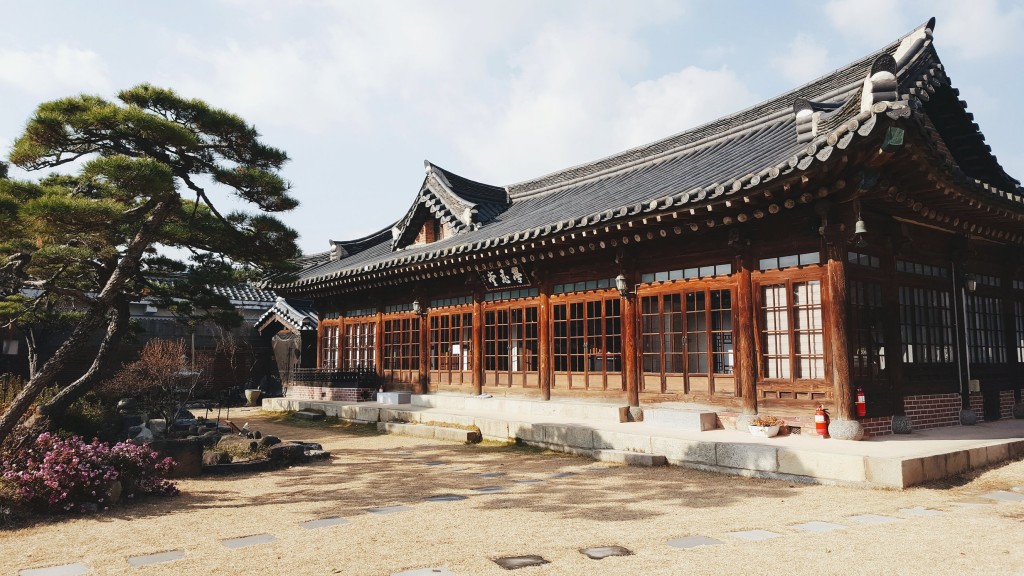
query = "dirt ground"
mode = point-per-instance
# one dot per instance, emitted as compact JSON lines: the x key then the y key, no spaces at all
{"x":633,"y":507}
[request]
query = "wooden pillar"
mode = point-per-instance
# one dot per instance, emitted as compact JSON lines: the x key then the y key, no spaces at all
{"x":629,"y":322}
{"x":836,"y":323}
{"x":478,"y":343}
{"x":320,"y":329}
{"x":378,"y":346}
{"x":746,"y":352}
{"x":544,"y":340}
{"x":422,"y":386}
{"x":958,"y":258}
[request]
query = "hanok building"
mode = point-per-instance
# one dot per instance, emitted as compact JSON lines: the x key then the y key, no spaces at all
{"x":853,"y":233}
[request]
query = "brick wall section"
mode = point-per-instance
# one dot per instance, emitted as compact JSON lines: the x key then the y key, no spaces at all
{"x":1006,"y":404}
{"x":933,"y":410}
{"x":329,"y":394}
{"x":878,"y":426}
{"x":978,"y":405}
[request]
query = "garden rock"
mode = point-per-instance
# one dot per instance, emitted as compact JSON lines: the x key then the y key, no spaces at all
{"x":216,"y":457}
{"x":268,"y":441}
{"x":310,"y":414}
{"x":286,"y":452}
{"x":158,"y":426}
{"x":237,"y":443}
{"x":210,"y":439}
{"x":188,"y":454}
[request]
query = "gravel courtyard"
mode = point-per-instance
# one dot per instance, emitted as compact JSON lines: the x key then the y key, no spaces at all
{"x":595,"y":505}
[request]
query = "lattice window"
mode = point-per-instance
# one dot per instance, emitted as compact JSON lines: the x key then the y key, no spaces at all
{"x":867,"y":329}
{"x":451,"y":342}
{"x":588,"y":336}
{"x":329,"y":348}
{"x":402,"y":344}
{"x":985,"y":339}
{"x":510,"y":340}
{"x":1018,"y":321}
{"x":926,"y":325}
{"x":792,"y":334}
{"x":689,"y":332}
{"x":360,"y":345}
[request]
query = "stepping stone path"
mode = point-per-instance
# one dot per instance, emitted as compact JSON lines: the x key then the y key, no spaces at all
{"x":921,"y":511}
{"x":513,"y":562}
{"x":248,"y":540}
{"x":693,"y":542}
{"x":323,"y":523}
{"x":63,"y":570}
{"x":600,"y":552}
{"x":489,"y":489}
{"x":562,"y":475}
{"x":1004,"y":496}
{"x":445,"y":498}
{"x":388,"y":509}
{"x":434,"y":463}
{"x":158,"y":558}
{"x":492,"y":474}
{"x":534,"y":481}
{"x":969,"y":504}
{"x":425,"y":572}
{"x":754,"y":535}
{"x":818,"y":526}
{"x":872,"y":519}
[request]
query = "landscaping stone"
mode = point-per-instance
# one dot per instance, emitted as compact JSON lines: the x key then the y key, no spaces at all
{"x":818,"y":526}
{"x":268,"y":441}
{"x":562,"y":475}
{"x":1004,"y":496}
{"x":513,"y":562}
{"x":233,"y":442}
{"x":388,"y":509}
{"x":286,"y":452}
{"x":210,"y":438}
{"x":63,"y":570}
{"x":425,"y":572}
{"x":433,"y":463}
{"x":323,"y":523}
{"x":872,"y":519}
{"x":600,"y":552}
{"x":158,"y":558}
{"x":310,"y":414}
{"x":248,"y":540}
{"x":492,"y":474}
{"x":188,"y":454}
{"x":754,"y":535}
{"x":921,"y":511}
{"x":216,"y":457}
{"x":693,"y":542}
{"x":902,"y":425}
{"x":445,"y":498}
{"x":489,"y":489}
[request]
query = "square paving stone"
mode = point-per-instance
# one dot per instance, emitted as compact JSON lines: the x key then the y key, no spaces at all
{"x":323,"y":523}
{"x":248,"y":540}
{"x":62,"y":570}
{"x":872,"y":519}
{"x":158,"y":558}
{"x":531,"y":481}
{"x":492,"y":474}
{"x":970,"y":504}
{"x":600,"y":552}
{"x":754,"y":535}
{"x":388,"y":509}
{"x":1004,"y":496}
{"x":818,"y":526}
{"x":562,"y":475}
{"x":434,"y":463}
{"x":425,"y":572}
{"x":921,"y":511}
{"x":445,"y":498}
{"x":693,"y":542}
{"x":489,"y":489}
{"x":513,"y":562}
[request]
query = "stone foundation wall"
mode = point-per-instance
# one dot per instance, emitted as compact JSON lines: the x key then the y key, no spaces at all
{"x":978,"y":405}
{"x":933,"y":410}
{"x":878,"y":426}
{"x":1006,"y":404}
{"x":329,"y":394}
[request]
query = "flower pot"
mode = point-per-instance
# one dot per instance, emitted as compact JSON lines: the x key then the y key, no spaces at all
{"x":252,"y":395}
{"x":764,"y":431}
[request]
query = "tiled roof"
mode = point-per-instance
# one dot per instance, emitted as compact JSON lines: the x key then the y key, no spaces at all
{"x":295,"y":313}
{"x":244,"y":293}
{"x":718,"y":159}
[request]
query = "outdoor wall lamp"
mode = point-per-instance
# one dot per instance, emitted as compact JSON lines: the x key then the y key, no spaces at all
{"x":970,"y":283}
{"x":622,"y":286}
{"x":417,"y":308}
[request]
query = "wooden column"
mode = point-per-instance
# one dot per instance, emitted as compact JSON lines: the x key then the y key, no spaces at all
{"x":422,"y":386}
{"x":320,"y":345}
{"x":836,"y":322}
{"x":478,"y":343}
{"x":378,"y":346}
{"x":746,"y":352}
{"x":629,"y":323}
{"x":544,"y":340}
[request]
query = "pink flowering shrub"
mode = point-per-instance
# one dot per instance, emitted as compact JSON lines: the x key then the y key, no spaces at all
{"x":71,"y":475}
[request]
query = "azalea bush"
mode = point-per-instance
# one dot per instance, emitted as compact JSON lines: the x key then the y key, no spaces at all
{"x":58,"y":474}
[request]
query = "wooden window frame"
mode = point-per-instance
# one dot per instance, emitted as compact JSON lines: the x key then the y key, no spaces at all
{"x":359,"y":349}
{"x":330,"y":349}
{"x":443,"y":370}
{"x":400,"y":356}
{"x":493,"y":374}
{"x":911,"y":282}
{"x":866,"y":328}
{"x":985,"y":327}
{"x":588,"y":378}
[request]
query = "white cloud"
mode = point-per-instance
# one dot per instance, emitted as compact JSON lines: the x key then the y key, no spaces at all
{"x":805,"y":60}
{"x":54,"y":71}
{"x":874,"y":23}
{"x":980,"y":28}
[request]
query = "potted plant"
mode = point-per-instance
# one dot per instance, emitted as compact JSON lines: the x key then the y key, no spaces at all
{"x":765,"y":426}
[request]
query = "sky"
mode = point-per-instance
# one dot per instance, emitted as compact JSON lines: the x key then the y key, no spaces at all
{"x":360,"y":93}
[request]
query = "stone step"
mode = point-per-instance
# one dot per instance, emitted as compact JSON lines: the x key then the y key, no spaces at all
{"x":696,"y":420}
{"x":630,"y":458}
{"x":435,"y":432}
{"x":511,"y":408}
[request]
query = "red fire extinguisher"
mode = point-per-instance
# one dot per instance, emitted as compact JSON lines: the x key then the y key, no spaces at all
{"x":821,"y":421}
{"x":862,"y":407}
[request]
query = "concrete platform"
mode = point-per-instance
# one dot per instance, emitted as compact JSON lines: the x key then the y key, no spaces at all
{"x":597,"y":430}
